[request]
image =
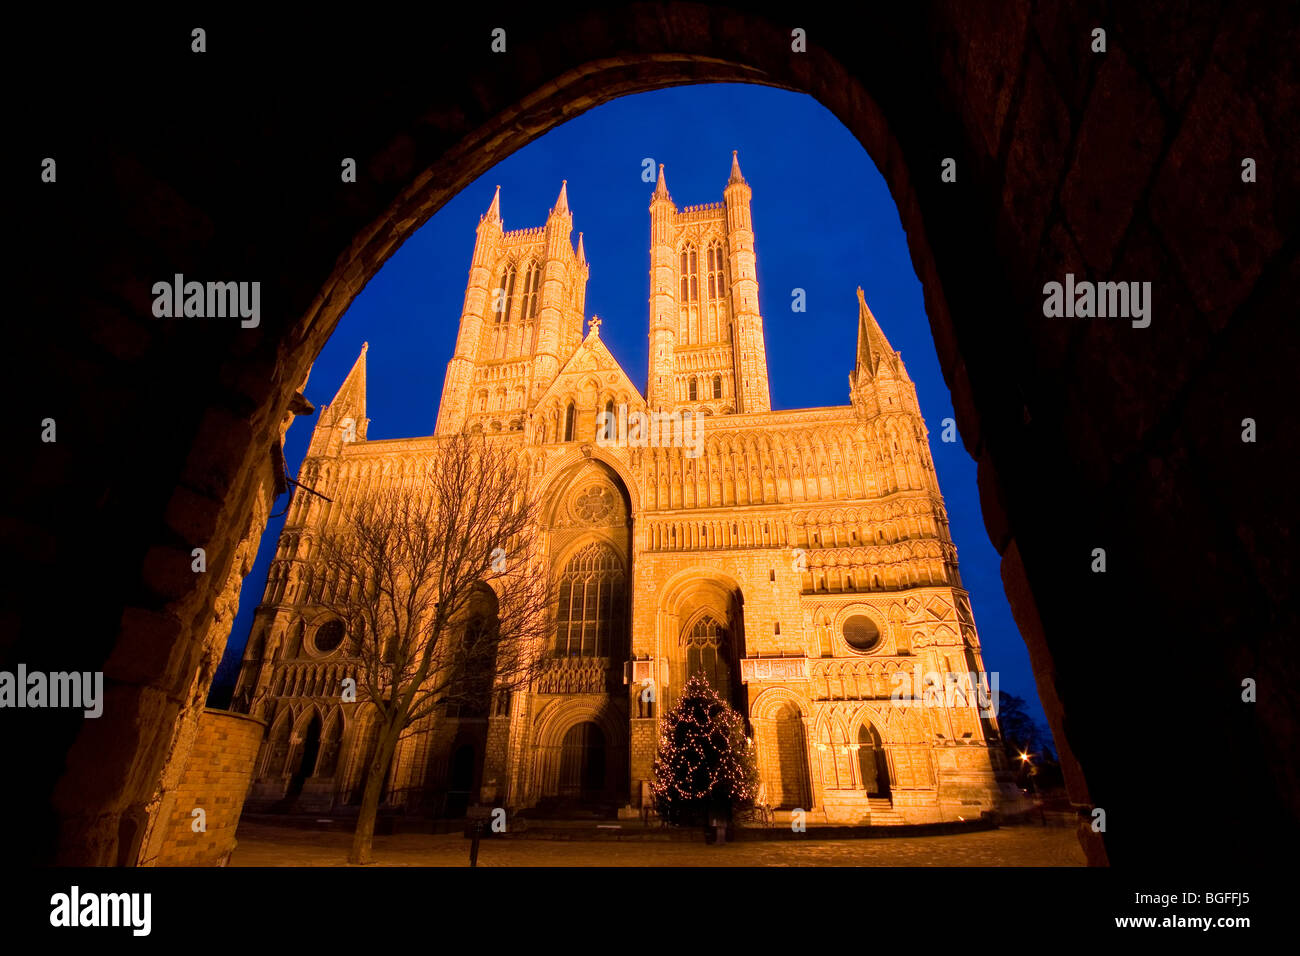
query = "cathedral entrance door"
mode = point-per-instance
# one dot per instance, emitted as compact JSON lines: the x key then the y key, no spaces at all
{"x":306,"y":762}
{"x":582,"y":763}
{"x":460,"y":781}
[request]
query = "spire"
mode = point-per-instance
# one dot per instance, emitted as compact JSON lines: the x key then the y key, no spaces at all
{"x":735,"y":169}
{"x":343,"y":420}
{"x":661,"y":185}
{"x":351,"y":398}
{"x":494,"y":210}
{"x":582,"y":255}
{"x":562,"y":204}
{"x":873,"y":347}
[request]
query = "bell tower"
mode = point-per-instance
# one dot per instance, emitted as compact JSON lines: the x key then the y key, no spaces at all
{"x":707,"y":350}
{"x":521,"y":321}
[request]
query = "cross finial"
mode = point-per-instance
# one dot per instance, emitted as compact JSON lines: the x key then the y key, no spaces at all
{"x":594,"y":326}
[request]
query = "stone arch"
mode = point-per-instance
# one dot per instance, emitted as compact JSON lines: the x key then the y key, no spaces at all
{"x":560,"y":715}
{"x":683,"y":599}
{"x":554,"y":723}
{"x":897,"y":103}
{"x":561,"y":469}
{"x":873,"y":761}
{"x":772,"y":699}
{"x":275,"y":751}
{"x":782,"y":744}
{"x":359,"y":742}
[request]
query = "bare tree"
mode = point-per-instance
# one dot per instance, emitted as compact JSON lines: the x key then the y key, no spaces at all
{"x":441,"y":591}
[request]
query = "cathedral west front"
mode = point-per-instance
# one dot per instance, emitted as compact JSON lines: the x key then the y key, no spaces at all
{"x":801,"y":559}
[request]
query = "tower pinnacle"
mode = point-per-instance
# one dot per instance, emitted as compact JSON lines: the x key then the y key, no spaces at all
{"x":661,"y":185}
{"x":736,"y":177}
{"x":494,"y":210}
{"x":873,"y":347}
{"x":562,"y":204}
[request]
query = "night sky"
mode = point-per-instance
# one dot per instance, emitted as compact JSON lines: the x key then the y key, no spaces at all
{"x":824,"y":222}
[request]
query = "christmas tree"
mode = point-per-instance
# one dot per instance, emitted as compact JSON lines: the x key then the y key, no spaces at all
{"x":705,"y":761}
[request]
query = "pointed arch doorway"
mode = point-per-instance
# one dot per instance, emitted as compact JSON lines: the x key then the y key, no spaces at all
{"x":583,"y":776}
{"x":873,"y":765}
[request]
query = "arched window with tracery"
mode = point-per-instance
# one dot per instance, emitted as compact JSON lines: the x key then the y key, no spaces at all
{"x":503,"y":300}
{"x":717,"y":281}
{"x":708,"y":652}
{"x":690,"y":270}
{"x":532,"y":285}
{"x":592,"y":613}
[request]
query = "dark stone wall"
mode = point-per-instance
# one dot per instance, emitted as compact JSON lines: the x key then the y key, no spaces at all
{"x":1124,"y":165}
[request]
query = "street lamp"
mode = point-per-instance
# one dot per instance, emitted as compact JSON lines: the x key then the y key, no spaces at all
{"x":1025,"y":761}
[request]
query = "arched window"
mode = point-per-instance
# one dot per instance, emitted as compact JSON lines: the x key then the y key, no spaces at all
{"x":708,"y":652}
{"x":471,"y":663}
{"x":503,"y":300}
{"x":690,"y":271}
{"x":592,"y":614}
{"x":717,"y":386}
{"x":717,"y":280}
{"x":693,"y":390}
{"x":293,"y":646}
{"x":532,"y":283}
{"x":528,"y":311}
{"x":568,"y":422}
{"x":610,"y":423}
{"x":328,"y":761}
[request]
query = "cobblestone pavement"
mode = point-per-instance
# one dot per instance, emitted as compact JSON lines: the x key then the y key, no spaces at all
{"x":262,"y":845}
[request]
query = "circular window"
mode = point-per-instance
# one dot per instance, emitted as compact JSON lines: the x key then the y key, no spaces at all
{"x":594,"y":504}
{"x":329,"y":636}
{"x":861,"y":632}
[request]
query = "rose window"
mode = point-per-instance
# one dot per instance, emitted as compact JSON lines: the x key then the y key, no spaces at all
{"x":594,"y":504}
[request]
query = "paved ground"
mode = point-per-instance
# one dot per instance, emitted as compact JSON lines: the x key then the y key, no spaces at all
{"x":262,"y":845}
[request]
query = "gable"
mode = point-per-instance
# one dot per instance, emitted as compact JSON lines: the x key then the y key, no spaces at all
{"x":592,"y":374}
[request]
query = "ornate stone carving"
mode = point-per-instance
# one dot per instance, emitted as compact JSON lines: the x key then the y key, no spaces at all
{"x":759,"y":669}
{"x":574,"y":675}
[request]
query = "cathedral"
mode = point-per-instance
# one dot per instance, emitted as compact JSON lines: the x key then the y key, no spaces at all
{"x":801,"y":559}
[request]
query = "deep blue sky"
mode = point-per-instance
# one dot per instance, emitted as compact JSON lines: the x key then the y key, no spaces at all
{"x":823,"y":221}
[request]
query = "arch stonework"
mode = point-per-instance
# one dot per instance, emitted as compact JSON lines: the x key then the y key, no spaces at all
{"x":772,"y":699}
{"x":1148,"y":457}
{"x":558,"y":468}
{"x":556,"y":719}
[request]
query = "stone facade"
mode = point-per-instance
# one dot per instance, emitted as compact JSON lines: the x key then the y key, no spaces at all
{"x":802,"y":559}
{"x":215,"y":780}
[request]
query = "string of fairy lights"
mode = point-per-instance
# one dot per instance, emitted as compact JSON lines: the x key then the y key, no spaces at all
{"x":704,"y":753}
